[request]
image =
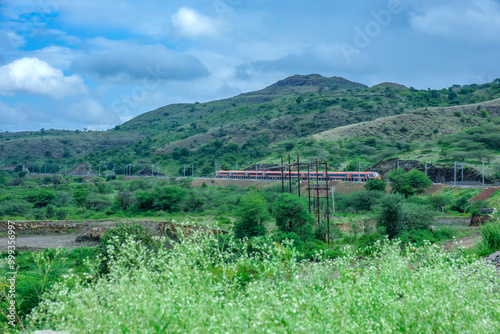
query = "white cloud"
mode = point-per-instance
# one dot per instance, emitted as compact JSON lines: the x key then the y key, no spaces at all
{"x":11,"y":40}
{"x":189,"y":23}
{"x":472,"y":20}
{"x":10,"y":115}
{"x":92,"y":114}
{"x":33,"y":76}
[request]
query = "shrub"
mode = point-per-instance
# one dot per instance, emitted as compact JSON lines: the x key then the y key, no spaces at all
{"x":14,"y":207}
{"x":410,"y":183}
{"x":40,"y":197}
{"x":117,"y":236}
{"x":252,"y":216}
{"x":61,"y":214}
{"x":292,"y":215}
{"x":377,"y":184}
{"x":491,"y":236}
{"x":397,"y":216}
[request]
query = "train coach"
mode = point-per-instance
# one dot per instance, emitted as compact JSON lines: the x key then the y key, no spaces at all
{"x":276,"y":175}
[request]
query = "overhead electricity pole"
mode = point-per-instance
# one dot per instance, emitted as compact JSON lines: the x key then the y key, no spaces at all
{"x":455,"y":174}
{"x":483,"y":174}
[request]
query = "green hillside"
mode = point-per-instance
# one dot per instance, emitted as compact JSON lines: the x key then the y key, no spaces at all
{"x":331,"y":118}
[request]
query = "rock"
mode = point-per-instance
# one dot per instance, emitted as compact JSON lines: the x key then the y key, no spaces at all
{"x":494,"y":258}
{"x":481,"y":220}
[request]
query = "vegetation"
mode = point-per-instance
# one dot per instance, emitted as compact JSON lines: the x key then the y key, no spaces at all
{"x":253,"y":215}
{"x":409,"y":183}
{"x":276,"y":121}
{"x":396,"y":216}
{"x":202,"y":285}
{"x":377,"y":251}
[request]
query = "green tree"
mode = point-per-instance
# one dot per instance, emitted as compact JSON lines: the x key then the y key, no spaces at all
{"x":169,"y":198}
{"x":3,"y":180}
{"x":410,"y":183}
{"x":40,"y":197}
{"x":252,"y":216}
{"x":397,"y":216}
{"x":374,"y":185}
{"x":292,"y":215}
{"x":80,"y":195}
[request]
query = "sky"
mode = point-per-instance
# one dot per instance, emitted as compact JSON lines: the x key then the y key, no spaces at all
{"x":94,"y":64}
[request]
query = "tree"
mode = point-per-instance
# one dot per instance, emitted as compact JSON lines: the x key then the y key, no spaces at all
{"x":80,"y":195}
{"x":410,"y":183}
{"x":40,"y":197}
{"x":374,"y":185}
{"x":292,"y":215}
{"x":252,"y":216}
{"x":123,"y":199}
{"x":169,"y":198}
{"x":397,"y":216}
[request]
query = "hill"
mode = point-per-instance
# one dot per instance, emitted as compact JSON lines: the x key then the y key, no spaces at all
{"x":307,"y":114}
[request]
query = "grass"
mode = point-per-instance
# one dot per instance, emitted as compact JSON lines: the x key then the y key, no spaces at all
{"x":205,"y":285}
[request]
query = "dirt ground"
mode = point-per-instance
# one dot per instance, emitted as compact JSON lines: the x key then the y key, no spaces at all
{"x":39,"y":242}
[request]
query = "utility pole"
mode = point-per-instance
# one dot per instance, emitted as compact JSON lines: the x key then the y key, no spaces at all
{"x":283,"y":181}
{"x":483,"y":173}
{"x":462,"y":172}
{"x":333,"y":199}
{"x":359,"y":171}
{"x":455,"y":174}
{"x":298,"y":174}
{"x":216,"y":169}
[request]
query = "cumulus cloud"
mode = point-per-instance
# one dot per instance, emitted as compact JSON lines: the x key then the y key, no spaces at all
{"x":33,"y":76}
{"x":189,"y":23}
{"x":473,"y":20}
{"x":131,"y":61}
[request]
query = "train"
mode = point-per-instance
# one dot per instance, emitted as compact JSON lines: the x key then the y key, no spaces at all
{"x":276,"y":175}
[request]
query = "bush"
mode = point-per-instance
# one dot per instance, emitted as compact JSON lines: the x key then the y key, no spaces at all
{"x":61,"y":214}
{"x":377,"y":184}
{"x":359,"y":200}
{"x":14,"y":207}
{"x":252,"y":216}
{"x":117,"y":236}
{"x":40,"y":197}
{"x":410,"y":183}
{"x":491,"y":237}
{"x":397,"y":216}
{"x":292,"y":215}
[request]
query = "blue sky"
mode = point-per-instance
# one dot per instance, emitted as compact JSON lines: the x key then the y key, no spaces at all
{"x":97,"y":63}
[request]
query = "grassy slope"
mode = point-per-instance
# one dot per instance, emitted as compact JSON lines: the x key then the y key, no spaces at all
{"x":425,"y":124}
